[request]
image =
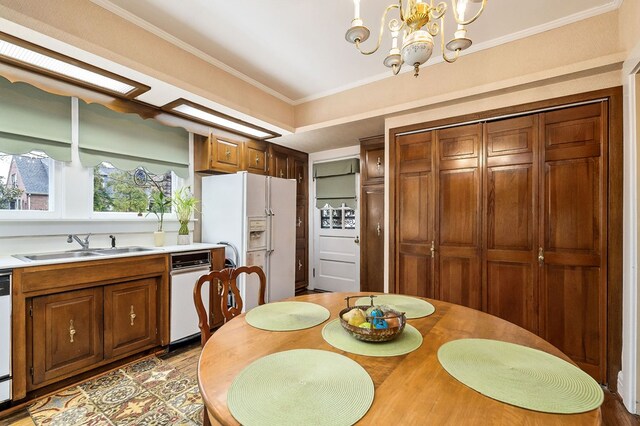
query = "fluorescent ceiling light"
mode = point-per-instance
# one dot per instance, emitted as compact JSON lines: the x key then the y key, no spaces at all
{"x":36,"y":58}
{"x":216,"y":119}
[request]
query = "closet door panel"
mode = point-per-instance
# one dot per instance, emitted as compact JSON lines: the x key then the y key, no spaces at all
{"x":459,"y":188}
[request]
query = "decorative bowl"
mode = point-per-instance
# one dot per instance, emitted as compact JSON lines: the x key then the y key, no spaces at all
{"x":371,"y":334}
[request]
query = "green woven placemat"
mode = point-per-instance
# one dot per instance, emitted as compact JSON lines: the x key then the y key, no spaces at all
{"x":339,"y":338}
{"x":411,"y":306}
{"x":301,"y":387}
{"x":287,"y":316}
{"x":521,"y":376}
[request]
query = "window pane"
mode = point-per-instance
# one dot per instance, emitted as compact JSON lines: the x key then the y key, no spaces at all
{"x":116,"y":190}
{"x":337,"y":219}
{"x":24,"y":181}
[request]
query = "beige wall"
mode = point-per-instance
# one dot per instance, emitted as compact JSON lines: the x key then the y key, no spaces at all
{"x":74,"y":22}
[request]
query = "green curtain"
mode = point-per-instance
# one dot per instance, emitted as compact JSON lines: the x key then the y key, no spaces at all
{"x":128,"y":141}
{"x":336,"y":183}
{"x":34,"y":120}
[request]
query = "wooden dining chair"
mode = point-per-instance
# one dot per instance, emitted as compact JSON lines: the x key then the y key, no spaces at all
{"x":225,"y":280}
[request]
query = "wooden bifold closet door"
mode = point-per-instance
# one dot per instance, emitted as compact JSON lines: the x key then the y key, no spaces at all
{"x":510,"y":217}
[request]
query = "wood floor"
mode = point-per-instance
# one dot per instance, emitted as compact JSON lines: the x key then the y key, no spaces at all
{"x":186,"y":361}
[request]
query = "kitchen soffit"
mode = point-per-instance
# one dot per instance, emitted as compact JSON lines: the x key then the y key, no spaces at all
{"x":296,"y":49}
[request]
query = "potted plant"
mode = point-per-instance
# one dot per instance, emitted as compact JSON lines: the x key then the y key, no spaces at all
{"x":159,"y":204}
{"x":185,"y":204}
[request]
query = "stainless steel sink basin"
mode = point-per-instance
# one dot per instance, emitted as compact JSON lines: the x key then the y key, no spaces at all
{"x":54,"y":256}
{"x":120,"y":250}
{"x":73,"y":254}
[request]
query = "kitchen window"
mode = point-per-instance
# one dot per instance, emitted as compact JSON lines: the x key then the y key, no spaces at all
{"x":123,"y":191}
{"x":26,"y":182}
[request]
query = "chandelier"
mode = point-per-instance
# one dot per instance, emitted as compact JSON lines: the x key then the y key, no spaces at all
{"x":420,"y":21}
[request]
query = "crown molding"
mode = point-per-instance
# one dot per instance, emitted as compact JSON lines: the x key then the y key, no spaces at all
{"x":117,"y":10}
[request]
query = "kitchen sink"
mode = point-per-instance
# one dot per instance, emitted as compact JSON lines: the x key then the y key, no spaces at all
{"x":120,"y":250}
{"x":73,"y":254}
{"x":54,"y":256}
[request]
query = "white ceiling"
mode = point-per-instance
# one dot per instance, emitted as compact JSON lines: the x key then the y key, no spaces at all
{"x":296,"y":49}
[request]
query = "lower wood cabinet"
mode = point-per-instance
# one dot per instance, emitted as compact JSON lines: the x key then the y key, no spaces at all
{"x":129,"y":317}
{"x":67,"y":333}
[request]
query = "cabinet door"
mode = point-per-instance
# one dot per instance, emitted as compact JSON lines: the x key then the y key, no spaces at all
{"x":458,"y":217}
{"x":67,"y":334}
{"x":129,"y":317}
{"x":373,"y":169}
{"x":372,"y":239}
{"x":279,"y":164}
{"x":510,"y":220}
{"x":415,"y":215}
{"x":300,"y":175}
{"x":573,"y":231}
{"x":227,"y":155}
{"x":255,"y":157}
{"x":301,"y":267}
{"x":301,"y":222}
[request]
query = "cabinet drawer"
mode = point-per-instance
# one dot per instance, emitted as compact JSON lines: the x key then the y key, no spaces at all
{"x":67,"y":333}
{"x":129,"y":317}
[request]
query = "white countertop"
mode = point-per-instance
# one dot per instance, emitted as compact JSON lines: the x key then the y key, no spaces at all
{"x":10,"y":262}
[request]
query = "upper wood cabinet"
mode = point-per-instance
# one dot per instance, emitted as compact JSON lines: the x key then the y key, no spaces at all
{"x":512,"y":216}
{"x":372,"y":160}
{"x":67,"y":334}
{"x":217,"y":155}
{"x":279,"y":161}
{"x":256,"y":157}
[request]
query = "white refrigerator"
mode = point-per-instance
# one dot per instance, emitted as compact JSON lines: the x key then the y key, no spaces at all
{"x":257,"y":215}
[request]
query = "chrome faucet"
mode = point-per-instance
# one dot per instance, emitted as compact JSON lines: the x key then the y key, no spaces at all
{"x":83,"y":243}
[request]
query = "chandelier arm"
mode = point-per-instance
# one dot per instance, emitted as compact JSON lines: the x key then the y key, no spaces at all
{"x":444,"y":52}
{"x":470,"y":20}
{"x":438,"y":11}
{"x":382,"y":22}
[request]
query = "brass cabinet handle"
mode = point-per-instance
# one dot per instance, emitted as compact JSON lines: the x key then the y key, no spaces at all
{"x":541,"y":255}
{"x":281,"y":173}
{"x":228,"y":153}
{"x":299,"y":178}
{"x":379,"y":164}
{"x":257,"y":160}
{"x":72,"y":331}
{"x":299,"y":265}
{"x":132,"y":315}
{"x":433,"y":249}
{"x":299,"y":222}
{"x":378,"y":229}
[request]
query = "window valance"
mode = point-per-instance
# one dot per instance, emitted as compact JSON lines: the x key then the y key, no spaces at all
{"x":128,"y":141}
{"x":34,"y":120}
{"x":336,"y":183}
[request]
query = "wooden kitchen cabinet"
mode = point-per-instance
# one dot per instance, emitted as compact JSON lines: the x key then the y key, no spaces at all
{"x":372,"y":221}
{"x":256,"y":157}
{"x":130,"y":317}
{"x":213,"y":155}
{"x":67,"y":334}
{"x":90,"y":303}
{"x":279,"y":162}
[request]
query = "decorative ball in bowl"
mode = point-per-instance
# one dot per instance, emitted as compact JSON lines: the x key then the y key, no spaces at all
{"x":372,"y":323}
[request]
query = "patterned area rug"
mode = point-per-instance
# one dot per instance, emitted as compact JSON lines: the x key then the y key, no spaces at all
{"x":150,"y":392}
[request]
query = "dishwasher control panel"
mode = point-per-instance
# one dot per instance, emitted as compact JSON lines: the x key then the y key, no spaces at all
{"x":190,"y":259}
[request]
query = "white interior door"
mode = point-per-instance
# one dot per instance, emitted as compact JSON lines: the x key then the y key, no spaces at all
{"x":336,"y":249}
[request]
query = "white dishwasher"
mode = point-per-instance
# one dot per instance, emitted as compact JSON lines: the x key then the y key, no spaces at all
{"x":186,"y":268}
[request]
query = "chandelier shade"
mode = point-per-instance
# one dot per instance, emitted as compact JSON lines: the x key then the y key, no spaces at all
{"x":419,"y":22}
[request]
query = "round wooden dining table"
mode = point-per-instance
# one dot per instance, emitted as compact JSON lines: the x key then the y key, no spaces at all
{"x":411,"y":389}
